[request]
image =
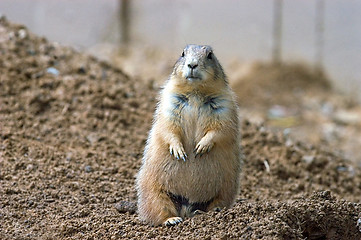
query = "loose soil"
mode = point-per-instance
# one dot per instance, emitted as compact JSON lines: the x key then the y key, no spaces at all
{"x":300,"y":100}
{"x":72,"y":132}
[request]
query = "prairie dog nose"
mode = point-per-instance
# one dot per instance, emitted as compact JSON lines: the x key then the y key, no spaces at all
{"x":192,"y":65}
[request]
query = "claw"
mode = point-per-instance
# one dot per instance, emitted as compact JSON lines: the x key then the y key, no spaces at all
{"x":217,"y":209}
{"x":177,"y":152}
{"x":173,"y":221}
{"x":197,"y":212}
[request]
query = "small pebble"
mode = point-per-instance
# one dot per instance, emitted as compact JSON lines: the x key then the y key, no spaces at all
{"x":308,"y":158}
{"x":358,"y":224}
{"x":30,"y":167}
{"x":92,"y":138}
{"x":22,"y":33}
{"x":69,"y":156}
{"x":53,"y":71}
{"x":88,"y":169}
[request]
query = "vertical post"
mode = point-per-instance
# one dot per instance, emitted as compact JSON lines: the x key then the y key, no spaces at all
{"x":319,"y":33}
{"x":277,"y":31}
{"x":124,"y":17}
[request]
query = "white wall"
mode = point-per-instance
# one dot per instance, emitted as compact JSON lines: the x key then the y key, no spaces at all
{"x":241,"y":29}
{"x":80,"y":23}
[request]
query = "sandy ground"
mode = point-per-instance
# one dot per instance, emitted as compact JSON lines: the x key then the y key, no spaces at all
{"x":72,"y":132}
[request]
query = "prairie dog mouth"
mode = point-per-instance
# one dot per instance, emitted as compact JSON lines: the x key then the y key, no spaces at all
{"x":193,"y":78}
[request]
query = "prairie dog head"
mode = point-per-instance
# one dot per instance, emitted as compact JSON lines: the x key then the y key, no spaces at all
{"x":198,"y":63}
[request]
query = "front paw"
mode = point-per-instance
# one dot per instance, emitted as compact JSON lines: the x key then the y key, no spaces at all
{"x":172,"y":221}
{"x":178,"y":152}
{"x":203,"y":147}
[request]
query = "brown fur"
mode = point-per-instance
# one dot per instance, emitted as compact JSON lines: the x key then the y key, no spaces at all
{"x":196,"y":120}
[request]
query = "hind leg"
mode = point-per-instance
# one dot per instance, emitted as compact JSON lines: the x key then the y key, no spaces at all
{"x":226,"y":196}
{"x":224,"y":199}
{"x":155,"y":206}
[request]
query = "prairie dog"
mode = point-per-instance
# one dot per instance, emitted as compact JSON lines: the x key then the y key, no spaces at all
{"x":191,"y":160}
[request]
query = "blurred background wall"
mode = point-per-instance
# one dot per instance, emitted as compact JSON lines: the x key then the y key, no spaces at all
{"x":323,"y":33}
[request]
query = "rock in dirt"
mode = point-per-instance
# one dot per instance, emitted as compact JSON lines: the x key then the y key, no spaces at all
{"x":126,"y":206}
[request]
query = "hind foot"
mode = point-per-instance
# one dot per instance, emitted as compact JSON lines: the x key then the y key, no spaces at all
{"x":217,"y":209}
{"x":173,"y":221}
{"x":197,"y":212}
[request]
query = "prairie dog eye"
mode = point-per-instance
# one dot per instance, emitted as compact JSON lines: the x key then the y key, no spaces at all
{"x":182,"y":54}
{"x":210,"y":55}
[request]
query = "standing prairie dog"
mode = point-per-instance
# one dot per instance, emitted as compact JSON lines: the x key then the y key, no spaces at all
{"x":192,"y":157}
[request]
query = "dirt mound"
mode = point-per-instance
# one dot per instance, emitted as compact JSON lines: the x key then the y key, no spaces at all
{"x":302,"y":102}
{"x":72,"y":132}
{"x":279,"y":168}
{"x":268,"y":84}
